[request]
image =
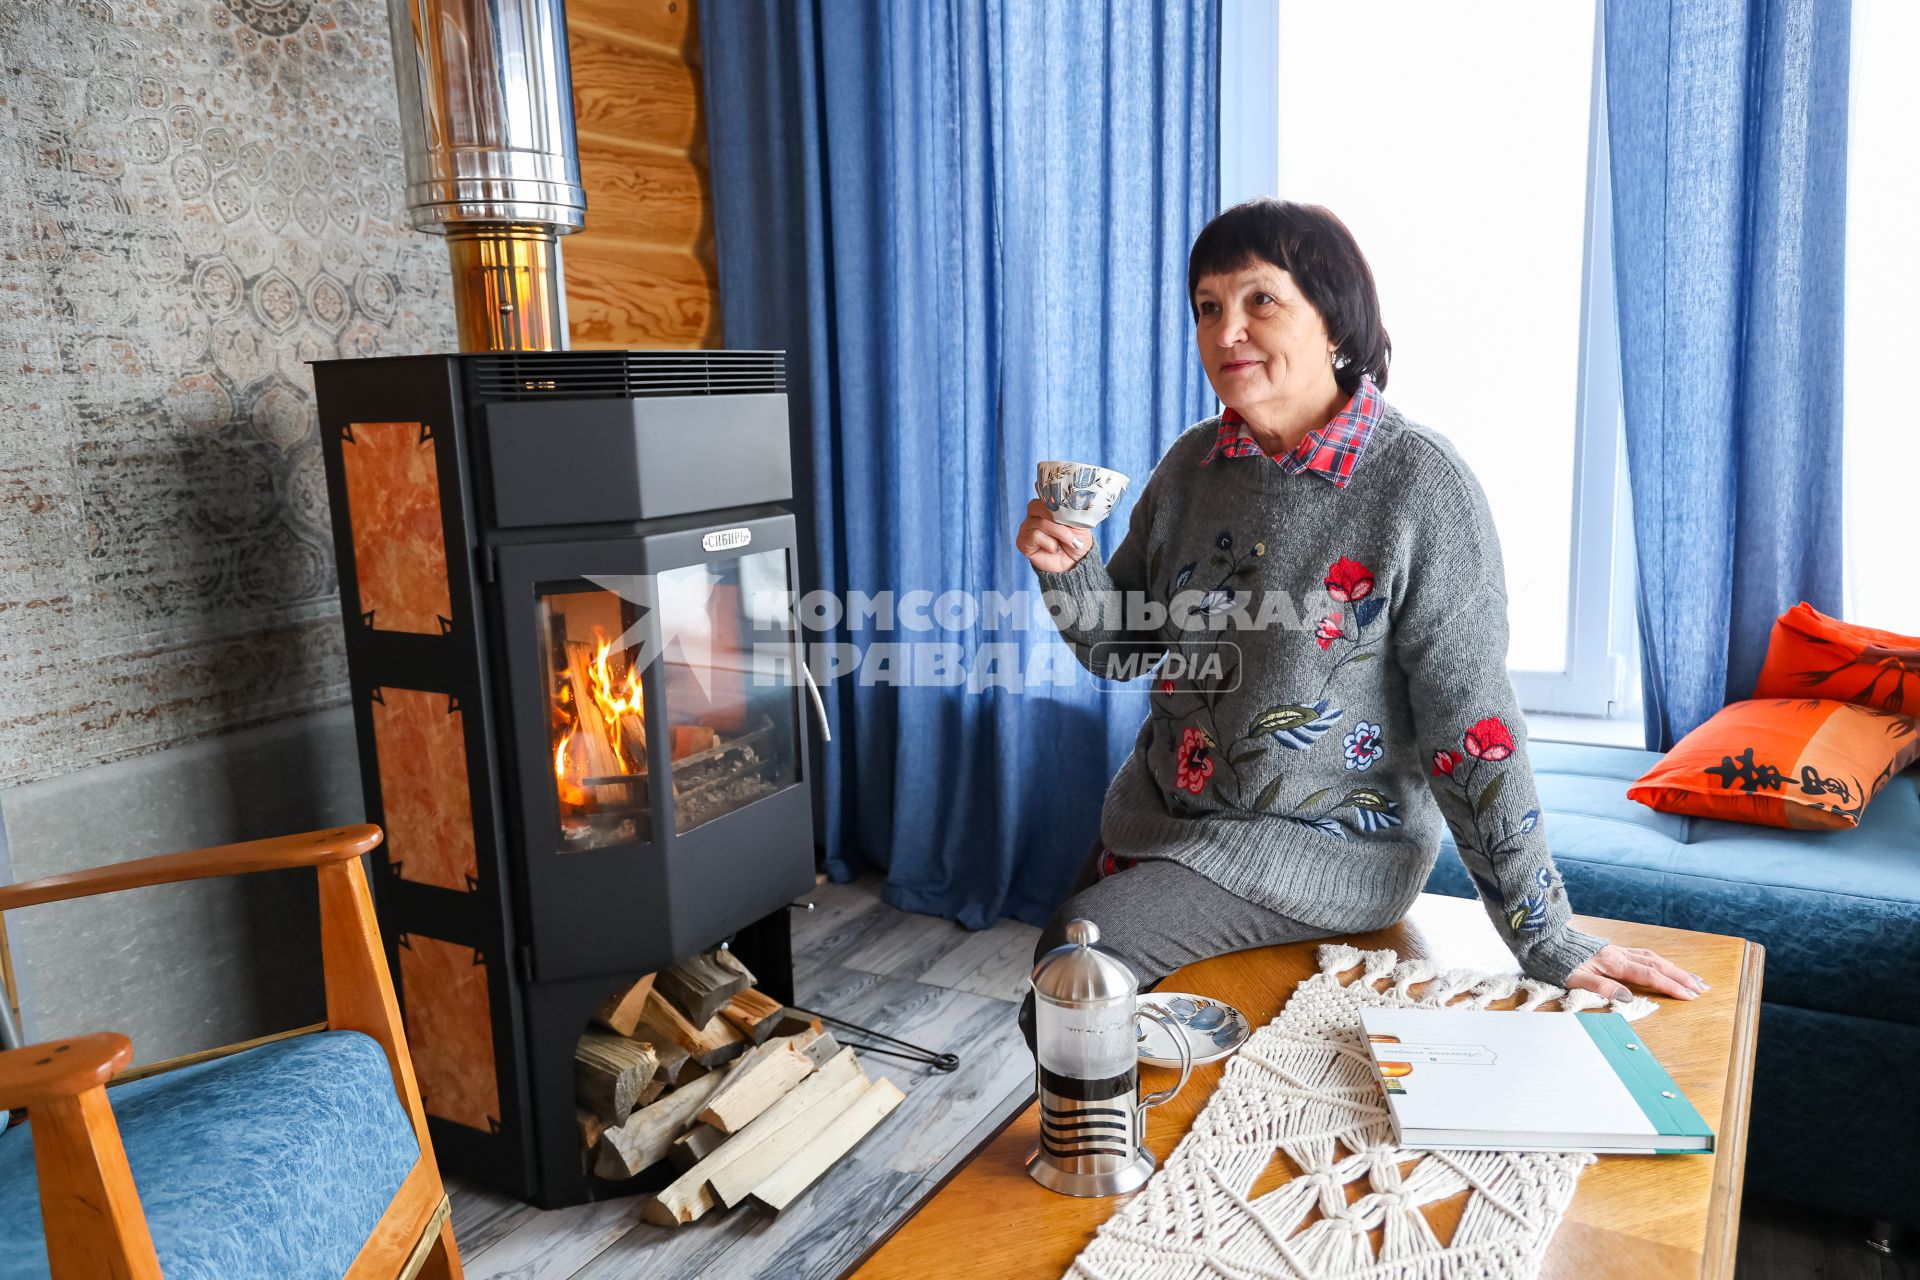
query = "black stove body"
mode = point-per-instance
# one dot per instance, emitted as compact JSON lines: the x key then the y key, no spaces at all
{"x":566,"y":584}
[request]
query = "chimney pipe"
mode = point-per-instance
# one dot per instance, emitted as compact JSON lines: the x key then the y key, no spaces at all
{"x":486,"y":113}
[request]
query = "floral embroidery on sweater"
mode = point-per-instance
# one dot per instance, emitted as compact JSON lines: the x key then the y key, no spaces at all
{"x":1290,"y":726}
{"x":1489,"y":742}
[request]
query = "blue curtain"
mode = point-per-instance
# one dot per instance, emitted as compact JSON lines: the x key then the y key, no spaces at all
{"x":967,"y":224}
{"x":1728,"y":128}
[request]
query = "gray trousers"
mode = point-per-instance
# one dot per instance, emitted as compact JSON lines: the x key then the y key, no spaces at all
{"x":1158,"y":916}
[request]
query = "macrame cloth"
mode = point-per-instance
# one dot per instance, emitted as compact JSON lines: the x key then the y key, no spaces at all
{"x":1304,"y":1085}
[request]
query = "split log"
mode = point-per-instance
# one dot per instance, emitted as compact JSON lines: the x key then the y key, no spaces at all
{"x":644,"y":1139}
{"x":761,"y":1079}
{"x":754,"y":1014}
{"x":700,"y":986}
{"x":709,"y":1045}
{"x":745,"y":1175}
{"x":592,"y":729}
{"x":655,"y":1087}
{"x":676,"y":1064}
{"x":695,"y":1145}
{"x":691,"y":1195}
{"x":819,"y":1046}
{"x":691,"y":739}
{"x":622,"y":1013}
{"x":609,"y":1073}
{"x":590,"y":1125}
{"x":838,"y":1138}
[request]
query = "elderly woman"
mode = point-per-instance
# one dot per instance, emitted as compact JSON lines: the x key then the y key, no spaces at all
{"x":1343,"y":569}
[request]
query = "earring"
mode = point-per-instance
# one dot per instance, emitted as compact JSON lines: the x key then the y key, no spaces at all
{"x":1339,"y":361}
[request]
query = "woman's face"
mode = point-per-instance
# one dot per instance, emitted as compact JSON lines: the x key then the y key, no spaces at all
{"x":1263,"y":344}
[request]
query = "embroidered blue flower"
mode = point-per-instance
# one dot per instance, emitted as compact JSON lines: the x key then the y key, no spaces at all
{"x":1376,"y":819}
{"x":1364,"y":746}
{"x":1294,"y":726}
{"x":1527,"y":824}
{"x":1224,"y":541}
{"x":1543,"y":877}
{"x":1530,"y":915}
{"x":1185,"y":575}
{"x":1217,"y":601}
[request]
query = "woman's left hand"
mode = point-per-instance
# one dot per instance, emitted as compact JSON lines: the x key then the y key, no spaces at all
{"x":1611,"y":966}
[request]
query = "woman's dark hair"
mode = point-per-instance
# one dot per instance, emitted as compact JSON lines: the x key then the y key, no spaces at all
{"x":1316,"y":249}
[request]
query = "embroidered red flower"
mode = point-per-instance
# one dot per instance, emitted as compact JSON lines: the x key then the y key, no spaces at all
{"x":1195,"y":761}
{"x":1329,"y":630}
{"x":1349,"y":581}
{"x":1489,"y":741}
{"x":1166,"y":687}
{"x":1112,"y":866}
{"x":1444,"y":762}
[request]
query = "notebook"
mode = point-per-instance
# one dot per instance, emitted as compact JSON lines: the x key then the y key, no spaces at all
{"x":1487,"y":1080}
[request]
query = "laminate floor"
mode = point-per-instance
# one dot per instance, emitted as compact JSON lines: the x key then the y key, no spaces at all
{"x":931,"y":982}
{"x":916,"y":977}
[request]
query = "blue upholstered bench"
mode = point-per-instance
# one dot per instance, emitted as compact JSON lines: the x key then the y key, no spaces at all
{"x":1836,"y":1122}
{"x":318,"y":1112}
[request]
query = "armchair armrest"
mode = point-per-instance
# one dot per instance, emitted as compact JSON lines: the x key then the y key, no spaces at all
{"x":61,"y":1068}
{"x":309,"y":849}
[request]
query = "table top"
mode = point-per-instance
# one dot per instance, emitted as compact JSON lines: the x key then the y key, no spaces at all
{"x":1648,"y":1217}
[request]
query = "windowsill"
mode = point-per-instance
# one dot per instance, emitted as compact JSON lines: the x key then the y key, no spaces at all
{"x":1599,"y":731}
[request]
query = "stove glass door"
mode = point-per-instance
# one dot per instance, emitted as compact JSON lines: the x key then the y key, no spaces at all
{"x":596,"y":734}
{"x":727,"y":657}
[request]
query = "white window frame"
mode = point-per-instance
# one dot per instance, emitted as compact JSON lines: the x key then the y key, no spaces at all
{"x":1598,"y":673}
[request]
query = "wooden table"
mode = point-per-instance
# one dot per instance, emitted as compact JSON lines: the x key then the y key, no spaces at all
{"x":1646,"y":1217}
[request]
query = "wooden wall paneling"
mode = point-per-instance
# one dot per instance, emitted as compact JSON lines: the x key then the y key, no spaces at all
{"x":667,"y":25}
{"x":642,"y":272}
{"x":621,"y":294}
{"x":645,"y":194}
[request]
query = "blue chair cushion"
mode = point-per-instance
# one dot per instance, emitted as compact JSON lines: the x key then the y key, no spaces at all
{"x":1838,"y":911}
{"x":276,"y":1162}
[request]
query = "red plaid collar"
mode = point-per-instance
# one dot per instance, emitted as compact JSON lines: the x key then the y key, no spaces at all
{"x":1332,"y":451}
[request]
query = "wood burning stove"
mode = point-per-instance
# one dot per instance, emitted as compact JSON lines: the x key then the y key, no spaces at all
{"x":567,"y":593}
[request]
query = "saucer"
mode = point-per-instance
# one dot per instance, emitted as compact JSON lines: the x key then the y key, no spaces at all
{"x":1213,"y":1029}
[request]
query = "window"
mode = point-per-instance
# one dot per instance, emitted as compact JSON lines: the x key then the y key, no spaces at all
{"x":1883,"y":329}
{"x":1478,"y":188}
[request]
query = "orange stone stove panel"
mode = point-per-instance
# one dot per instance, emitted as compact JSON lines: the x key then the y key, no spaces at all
{"x":420,"y":739}
{"x":393,"y":503}
{"x":443,"y":994}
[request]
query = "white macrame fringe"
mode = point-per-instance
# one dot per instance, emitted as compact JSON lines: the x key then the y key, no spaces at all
{"x":1304,"y":1086}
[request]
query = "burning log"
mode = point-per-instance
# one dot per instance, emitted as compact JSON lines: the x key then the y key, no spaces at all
{"x":609,"y":1073}
{"x":700,"y":986}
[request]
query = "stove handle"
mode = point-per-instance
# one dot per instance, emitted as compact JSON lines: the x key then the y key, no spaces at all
{"x":813,"y":696}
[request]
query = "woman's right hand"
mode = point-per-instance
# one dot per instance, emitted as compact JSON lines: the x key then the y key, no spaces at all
{"x":1050,"y":546}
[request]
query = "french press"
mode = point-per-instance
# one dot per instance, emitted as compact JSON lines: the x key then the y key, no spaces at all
{"x":1092,"y":1124}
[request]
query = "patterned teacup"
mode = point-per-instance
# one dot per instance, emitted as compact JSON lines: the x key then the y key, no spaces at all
{"x":1079,"y":493}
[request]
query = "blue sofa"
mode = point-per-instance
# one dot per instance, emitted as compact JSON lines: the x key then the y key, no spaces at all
{"x":1836,"y":1116}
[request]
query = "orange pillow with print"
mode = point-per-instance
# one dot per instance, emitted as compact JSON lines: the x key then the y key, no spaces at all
{"x":1811,"y":655}
{"x":1809,"y":764}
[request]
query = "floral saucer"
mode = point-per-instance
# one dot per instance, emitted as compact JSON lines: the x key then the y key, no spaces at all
{"x":1213,"y":1029}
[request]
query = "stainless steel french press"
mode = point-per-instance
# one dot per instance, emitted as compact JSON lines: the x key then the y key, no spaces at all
{"x":1092,"y":1122}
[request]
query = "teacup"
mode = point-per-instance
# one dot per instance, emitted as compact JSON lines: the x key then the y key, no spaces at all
{"x":1079,"y":493}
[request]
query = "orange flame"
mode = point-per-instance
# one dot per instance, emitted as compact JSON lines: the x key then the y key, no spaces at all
{"x":612,"y":705}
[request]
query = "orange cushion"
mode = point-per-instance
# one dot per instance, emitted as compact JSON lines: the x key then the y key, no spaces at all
{"x":1811,"y":655}
{"x":1805,"y":763}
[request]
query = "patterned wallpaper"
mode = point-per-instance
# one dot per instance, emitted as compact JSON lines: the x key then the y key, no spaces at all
{"x":196,"y":196}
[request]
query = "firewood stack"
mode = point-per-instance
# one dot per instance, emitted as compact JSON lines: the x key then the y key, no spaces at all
{"x":694,"y":1066}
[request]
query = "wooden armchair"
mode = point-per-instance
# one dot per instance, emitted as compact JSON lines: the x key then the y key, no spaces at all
{"x":92,"y":1213}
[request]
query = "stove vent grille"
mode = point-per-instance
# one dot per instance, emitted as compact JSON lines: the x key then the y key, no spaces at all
{"x":626,"y":375}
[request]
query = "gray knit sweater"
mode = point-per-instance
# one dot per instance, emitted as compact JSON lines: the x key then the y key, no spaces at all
{"x":1332,"y":685}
